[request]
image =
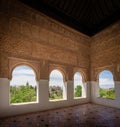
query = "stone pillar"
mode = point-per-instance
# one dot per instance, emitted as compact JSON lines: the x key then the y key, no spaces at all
{"x":117,"y":90}
{"x":70,"y":89}
{"x":43,"y":91}
{"x":4,"y":95}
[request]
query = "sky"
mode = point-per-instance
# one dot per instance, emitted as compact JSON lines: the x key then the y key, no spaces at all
{"x":23,"y":74}
{"x":77,"y":79}
{"x":106,"y":79}
{"x":56,"y":78}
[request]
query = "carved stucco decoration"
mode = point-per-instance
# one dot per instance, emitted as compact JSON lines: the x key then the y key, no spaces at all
{"x":16,"y":8}
{"x":61,"y":68}
{"x":14,"y":62}
{"x":118,"y":72}
{"x":111,"y":68}
{"x":83,"y":72}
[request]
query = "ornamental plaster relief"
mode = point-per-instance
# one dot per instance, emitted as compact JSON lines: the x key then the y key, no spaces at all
{"x":14,"y":62}
{"x":4,"y":68}
{"x":83,"y":72}
{"x":28,"y":34}
{"x":36,"y":18}
{"x":51,"y":53}
{"x":111,"y":68}
{"x":43,"y":35}
{"x":59,"y":67}
{"x":105,"y":45}
{"x":13,"y":44}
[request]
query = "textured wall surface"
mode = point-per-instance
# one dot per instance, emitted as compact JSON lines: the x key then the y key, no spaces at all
{"x":28,"y":37}
{"x":105,"y":49}
{"x":28,"y":34}
{"x":105,"y":55}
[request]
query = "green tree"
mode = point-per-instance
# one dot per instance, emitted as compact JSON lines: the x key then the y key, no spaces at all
{"x":102,"y":92}
{"x":55,"y":92}
{"x":23,"y":93}
{"x":78,"y":91}
{"x":107,"y":93}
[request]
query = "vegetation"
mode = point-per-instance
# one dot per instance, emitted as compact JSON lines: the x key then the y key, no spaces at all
{"x":23,"y":93}
{"x":107,"y":93}
{"x":27,"y":93}
{"x":78,"y":91}
{"x":55,"y":92}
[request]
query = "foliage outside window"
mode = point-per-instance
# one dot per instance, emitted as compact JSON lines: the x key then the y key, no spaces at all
{"x":23,"y":87}
{"x":56,"y":85}
{"x":77,"y":85}
{"x":106,"y":85}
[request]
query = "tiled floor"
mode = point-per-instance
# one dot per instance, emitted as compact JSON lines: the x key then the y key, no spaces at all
{"x":86,"y":115}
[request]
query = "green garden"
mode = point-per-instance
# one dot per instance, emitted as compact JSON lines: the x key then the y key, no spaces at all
{"x":27,"y":93}
{"x":107,"y":93}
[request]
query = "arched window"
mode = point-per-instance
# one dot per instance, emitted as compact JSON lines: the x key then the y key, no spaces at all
{"x":106,"y":85}
{"x":79,"y":88}
{"x":23,"y":86}
{"x":56,"y":86}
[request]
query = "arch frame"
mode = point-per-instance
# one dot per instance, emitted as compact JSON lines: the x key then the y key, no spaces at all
{"x":60,"y":68}
{"x":112,"y":70}
{"x":15,"y":62}
{"x":83,"y":72}
{"x":101,"y":69}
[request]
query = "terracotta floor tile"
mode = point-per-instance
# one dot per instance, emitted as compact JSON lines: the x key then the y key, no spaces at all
{"x":86,"y":115}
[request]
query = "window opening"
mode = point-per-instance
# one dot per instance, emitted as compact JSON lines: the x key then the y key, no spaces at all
{"x":23,"y":86}
{"x":56,"y":86}
{"x":106,"y":85}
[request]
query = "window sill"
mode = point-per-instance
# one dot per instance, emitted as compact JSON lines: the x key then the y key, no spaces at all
{"x":26,"y":103}
{"x":79,"y":98}
{"x":56,"y":100}
{"x":106,"y":98}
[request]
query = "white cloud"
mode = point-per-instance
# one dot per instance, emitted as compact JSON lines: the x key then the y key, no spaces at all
{"x":55,"y":82}
{"x":56,"y":78}
{"x":106,"y":82}
{"x":77,"y":76}
{"x":22,"y":79}
{"x":23,"y":72}
{"x":56,"y":74}
{"x":77,"y":79}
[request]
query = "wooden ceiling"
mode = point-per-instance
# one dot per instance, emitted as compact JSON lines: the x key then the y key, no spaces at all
{"x":86,"y":16}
